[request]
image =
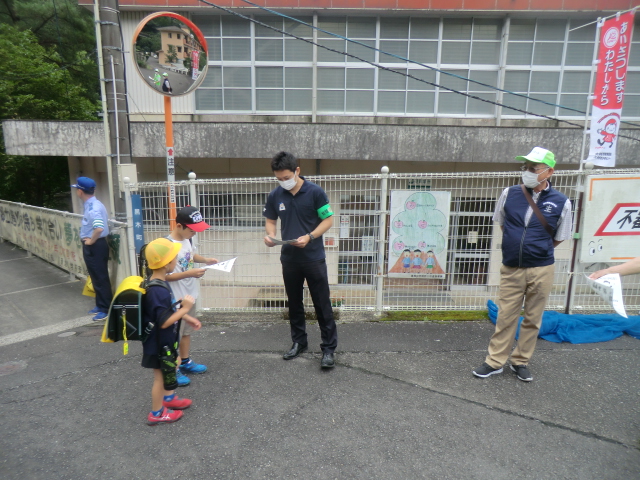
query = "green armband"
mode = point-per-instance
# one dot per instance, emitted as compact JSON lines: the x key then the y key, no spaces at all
{"x":325,"y":212}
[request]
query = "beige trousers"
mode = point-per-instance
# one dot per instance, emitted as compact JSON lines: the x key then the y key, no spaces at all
{"x":532,"y":285}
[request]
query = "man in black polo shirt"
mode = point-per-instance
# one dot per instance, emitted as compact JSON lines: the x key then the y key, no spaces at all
{"x":305,"y":215}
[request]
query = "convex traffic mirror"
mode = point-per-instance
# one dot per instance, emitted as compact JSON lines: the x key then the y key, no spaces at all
{"x":170,"y":53}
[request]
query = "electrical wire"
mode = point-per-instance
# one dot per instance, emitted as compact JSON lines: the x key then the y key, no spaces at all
{"x":604,"y":18}
{"x":126,"y":89}
{"x":396,"y":71}
{"x":408,"y":60}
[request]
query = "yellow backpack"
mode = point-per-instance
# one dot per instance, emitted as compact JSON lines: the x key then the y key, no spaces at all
{"x":124,"y":320}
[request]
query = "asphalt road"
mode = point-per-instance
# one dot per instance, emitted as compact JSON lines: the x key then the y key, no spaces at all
{"x":180,"y":83}
{"x":401,"y":403}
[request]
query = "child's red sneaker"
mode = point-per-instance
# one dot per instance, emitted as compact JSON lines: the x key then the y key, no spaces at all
{"x":167,"y":416}
{"x":177,"y":403}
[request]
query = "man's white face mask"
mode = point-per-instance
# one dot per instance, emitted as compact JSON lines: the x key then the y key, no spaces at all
{"x":530,"y":179}
{"x":288,"y":184}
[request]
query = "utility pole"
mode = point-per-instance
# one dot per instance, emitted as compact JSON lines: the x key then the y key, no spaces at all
{"x":111,"y":50}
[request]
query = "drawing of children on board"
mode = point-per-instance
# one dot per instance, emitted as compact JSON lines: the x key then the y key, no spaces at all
{"x":417,"y":261}
{"x":431,"y":261}
{"x":406,"y":260}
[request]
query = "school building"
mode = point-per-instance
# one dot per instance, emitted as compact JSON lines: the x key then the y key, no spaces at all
{"x":266,"y":91}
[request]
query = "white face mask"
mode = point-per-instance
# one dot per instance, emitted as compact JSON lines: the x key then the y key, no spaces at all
{"x":288,"y":184}
{"x":530,"y":179}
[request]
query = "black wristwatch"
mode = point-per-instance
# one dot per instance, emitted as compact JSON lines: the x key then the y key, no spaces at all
{"x":312,"y":238}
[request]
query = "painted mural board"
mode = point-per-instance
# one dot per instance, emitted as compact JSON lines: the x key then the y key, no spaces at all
{"x":418,"y":234}
{"x":611,"y":219}
{"x":55,"y":237}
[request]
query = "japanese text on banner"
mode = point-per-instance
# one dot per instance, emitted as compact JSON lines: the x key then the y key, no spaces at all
{"x":613,"y":57}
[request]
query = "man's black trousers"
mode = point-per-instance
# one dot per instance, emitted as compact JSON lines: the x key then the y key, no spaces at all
{"x":315,"y":273}
{"x":96,"y":257}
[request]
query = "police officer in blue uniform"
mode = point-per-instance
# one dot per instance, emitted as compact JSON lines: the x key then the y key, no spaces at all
{"x":305,"y":215}
{"x":95,"y":251}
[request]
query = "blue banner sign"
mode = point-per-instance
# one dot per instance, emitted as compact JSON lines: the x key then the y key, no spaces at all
{"x":138,"y":230}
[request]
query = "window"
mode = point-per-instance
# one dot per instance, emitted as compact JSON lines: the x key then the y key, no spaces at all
{"x":547,"y":61}
{"x":256,"y":69}
{"x":346,"y":84}
{"x":226,"y":88}
{"x":232,"y":209}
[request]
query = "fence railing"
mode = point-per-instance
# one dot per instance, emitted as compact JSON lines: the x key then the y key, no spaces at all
{"x":357,"y":245}
{"x":54,"y":236}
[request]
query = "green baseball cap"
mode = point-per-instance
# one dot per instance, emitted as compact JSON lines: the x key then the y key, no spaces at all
{"x":539,"y":155}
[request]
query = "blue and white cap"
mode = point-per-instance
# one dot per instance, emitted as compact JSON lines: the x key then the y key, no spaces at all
{"x":85,"y":184}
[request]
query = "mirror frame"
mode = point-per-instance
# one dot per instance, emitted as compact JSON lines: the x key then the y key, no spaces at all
{"x":196,"y":31}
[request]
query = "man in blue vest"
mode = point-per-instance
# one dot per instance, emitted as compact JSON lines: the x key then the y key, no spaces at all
{"x":95,"y":251}
{"x":527,"y":262}
{"x":305,"y":215}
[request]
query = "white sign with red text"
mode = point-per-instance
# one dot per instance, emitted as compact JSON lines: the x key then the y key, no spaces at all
{"x":611,"y":219}
{"x":611,"y":77}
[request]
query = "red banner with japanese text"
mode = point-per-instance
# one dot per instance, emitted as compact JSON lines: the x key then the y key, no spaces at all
{"x":195,"y":64}
{"x":613,"y":57}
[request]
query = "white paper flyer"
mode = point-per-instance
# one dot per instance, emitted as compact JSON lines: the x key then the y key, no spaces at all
{"x":609,"y":287}
{"x":225,"y":266}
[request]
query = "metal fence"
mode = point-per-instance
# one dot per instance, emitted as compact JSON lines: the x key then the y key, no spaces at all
{"x":357,"y":244}
{"x":54,"y":236}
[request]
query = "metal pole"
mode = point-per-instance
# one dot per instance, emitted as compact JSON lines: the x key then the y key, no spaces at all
{"x":382,"y":237}
{"x":193,"y":201}
{"x":105,"y":115}
{"x":580,"y":182}
{"x":130,"y":240}
{"x":594,"y":63}
{"x":171,"y":171}
{"x":116,"y":104}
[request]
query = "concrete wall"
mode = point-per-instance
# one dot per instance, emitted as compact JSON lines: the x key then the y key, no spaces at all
{"x":53,"y":138}
{"x":388,"y":143}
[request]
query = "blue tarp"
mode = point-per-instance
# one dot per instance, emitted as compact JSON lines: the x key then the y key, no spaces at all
{"x":576,"y":328}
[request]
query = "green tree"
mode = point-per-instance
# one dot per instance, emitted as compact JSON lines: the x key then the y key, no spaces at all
{"x":172,"y":54}
{"x":148,"y":41}
{"x":64,"y":25}
{"x":47,"y":60}
{"x":34,"y":85}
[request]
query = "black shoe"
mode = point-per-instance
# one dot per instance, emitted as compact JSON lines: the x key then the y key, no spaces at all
{"x":522,"y":372}
{"x":485,"y":370}
{"x":296,"y":349}
{"x":328,"y":360}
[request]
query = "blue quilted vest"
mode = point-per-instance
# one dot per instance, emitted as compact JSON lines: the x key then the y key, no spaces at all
{"x":530,"y":245}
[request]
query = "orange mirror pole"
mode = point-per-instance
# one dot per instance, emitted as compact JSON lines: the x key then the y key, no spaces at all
{"x":171,"y":170}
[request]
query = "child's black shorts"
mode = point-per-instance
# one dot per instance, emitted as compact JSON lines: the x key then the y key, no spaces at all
{"x":150,"y":361}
